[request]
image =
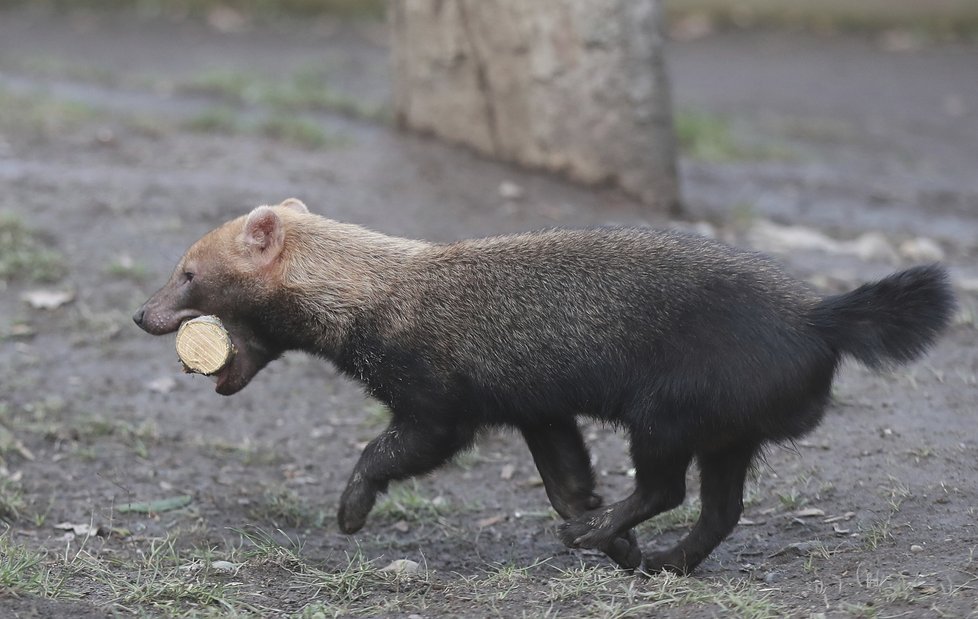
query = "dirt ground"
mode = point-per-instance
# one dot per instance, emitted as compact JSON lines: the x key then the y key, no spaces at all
{"x":123,"y":139}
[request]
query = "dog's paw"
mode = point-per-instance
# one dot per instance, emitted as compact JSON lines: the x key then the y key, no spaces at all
{"x":624,"y":551}
{"x":589,"y":530}
{"x":668,"y":561}
{"x":357,"y":501}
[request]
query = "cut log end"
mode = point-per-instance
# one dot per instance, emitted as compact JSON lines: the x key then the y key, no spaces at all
{"x":204,"y":346}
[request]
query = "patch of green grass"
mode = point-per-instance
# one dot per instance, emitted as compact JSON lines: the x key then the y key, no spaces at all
{"x":612,"y":593}
{"x":215,"y":120}
{"x":967,"y":314}
{"x":743,"y":216}
{"x":934,"y":19}
{"x":87,"y":453}
{"x":299,"y":132}
{"x":376,"y":415}
{"x":12,"y":501}
{"x":896,"y":493}
{"x":148,"y":125}
{"x":405,"y":502}
{"x":309,"y":89}
{"x":91,"y":427}
{"x":41,"y":114}
{"x":500,"y":581}
{"x":88,"y":429}
{"x":27,"y":572}
{"x":349,"y":582}
{"x":259,"y":10}
{"x":792,"y":499}
{"x":705,"y":136}
{"x":469,"y":458}
{"x":818,"y":550}
{"x":124,"y":267}
{"x":61,"y":68}
{"x":710,"y":137}
{"x":233,"y":86}
{"x":259,"y":547}
{"x":247,"y":451}
{"x":830,"y":131}
{"x":681,"y":517}
{"x":24,"y":256}
{"x":877,"y":534}
{"x":305,"y":90}
{"x":285,"y":509}
{"x":343,"y":587}
{"x":282,"y":127}
{"x":160,"y":578}
{"x":901,"y":589}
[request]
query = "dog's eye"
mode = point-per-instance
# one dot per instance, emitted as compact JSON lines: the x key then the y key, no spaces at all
{"x":188,"y":276}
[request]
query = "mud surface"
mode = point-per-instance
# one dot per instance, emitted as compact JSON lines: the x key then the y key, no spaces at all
{"x":873,"y":512}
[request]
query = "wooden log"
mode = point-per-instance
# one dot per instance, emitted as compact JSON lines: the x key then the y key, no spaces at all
{"x":204,"y":346}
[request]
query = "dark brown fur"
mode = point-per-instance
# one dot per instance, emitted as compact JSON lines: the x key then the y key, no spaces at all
{"x":697,"y":349}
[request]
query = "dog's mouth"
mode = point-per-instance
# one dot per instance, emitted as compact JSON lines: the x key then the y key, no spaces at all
{"x":221,"y":378}
{"x":250,"y":356}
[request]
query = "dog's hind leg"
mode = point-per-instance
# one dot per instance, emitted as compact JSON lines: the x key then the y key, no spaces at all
{"x":564,"y":464}
{"x":723,"y":473}
{"x":660,"y":485}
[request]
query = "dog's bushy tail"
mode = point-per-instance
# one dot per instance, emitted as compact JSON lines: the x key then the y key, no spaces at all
{"x":891,"y":321}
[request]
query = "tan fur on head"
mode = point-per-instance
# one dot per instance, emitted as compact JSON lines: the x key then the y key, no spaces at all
{"x":327,"y":268}
{"x":334,"y":268}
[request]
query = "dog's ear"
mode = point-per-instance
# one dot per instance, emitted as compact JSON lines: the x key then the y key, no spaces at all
{"x":264,"y":235}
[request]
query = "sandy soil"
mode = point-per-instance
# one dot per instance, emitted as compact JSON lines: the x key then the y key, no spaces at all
{"x":872,"y":514}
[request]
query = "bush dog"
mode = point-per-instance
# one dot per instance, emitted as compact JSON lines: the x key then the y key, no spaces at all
{"x":698,"y":350}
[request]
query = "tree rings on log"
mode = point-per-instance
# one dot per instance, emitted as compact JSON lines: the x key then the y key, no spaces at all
{"x":204,"y":346}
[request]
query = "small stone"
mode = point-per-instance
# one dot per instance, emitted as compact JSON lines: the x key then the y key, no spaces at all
{"x":84,"y":529}
{"x":693,"y":26}
{"x":105,"y":135}
{"x":921,"y":249}
{"x":401,"y":567}
{"x":807,"y":512}
{"x":21,"y":329}
{"x":224,"y":566}
{"x":227,"y":20}
{"x":490,"y":521}
{"x":968,"y":284}
{"x":509,"y":190}
{"x":769,"y":236}
{"x":900,"y":40}
{"x":874,"y":246}
{"x":47,"y":299}
{"x":704,"y":228}
{"x":163,"y":384}
{"x":916,"y":548}
{"x":507,"y":472}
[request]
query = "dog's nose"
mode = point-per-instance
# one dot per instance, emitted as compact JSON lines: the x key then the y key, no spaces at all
{"x":138,"y":316}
